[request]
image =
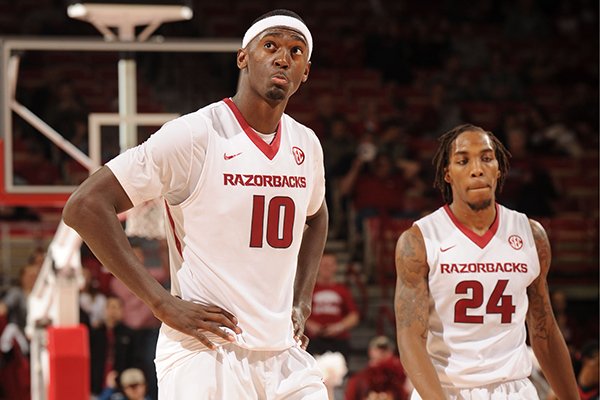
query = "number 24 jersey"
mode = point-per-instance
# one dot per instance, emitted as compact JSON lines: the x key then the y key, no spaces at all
{"x":478,"y":297}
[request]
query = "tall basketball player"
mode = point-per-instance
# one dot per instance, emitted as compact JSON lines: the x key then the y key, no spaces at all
{"x":470,"y":276}
{"x":244,"y":188}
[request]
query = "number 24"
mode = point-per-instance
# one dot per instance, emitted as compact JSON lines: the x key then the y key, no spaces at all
{"x":497,"y":303}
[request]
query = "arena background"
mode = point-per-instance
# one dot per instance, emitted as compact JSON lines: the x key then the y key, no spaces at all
{"x":393,"y":74}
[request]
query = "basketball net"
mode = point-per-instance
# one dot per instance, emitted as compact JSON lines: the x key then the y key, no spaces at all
{"x":146,"y":220}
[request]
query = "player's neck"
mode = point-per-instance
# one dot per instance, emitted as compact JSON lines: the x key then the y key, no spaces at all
{"x":261,"y":115}
{"x":478,"y":221}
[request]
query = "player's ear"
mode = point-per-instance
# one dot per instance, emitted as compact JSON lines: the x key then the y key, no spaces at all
{"x":498,"y":174}
{"x":447,"y":176}
{"x":306,"y":72}
{"x":242,"y":58}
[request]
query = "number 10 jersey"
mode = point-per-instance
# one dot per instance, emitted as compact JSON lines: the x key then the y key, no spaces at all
{"x":236,"y":213}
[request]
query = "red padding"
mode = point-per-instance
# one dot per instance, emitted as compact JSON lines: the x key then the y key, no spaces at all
{"x":69,"y":355}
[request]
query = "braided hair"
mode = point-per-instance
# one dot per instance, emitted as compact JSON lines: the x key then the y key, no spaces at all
{"x":441,"y":158}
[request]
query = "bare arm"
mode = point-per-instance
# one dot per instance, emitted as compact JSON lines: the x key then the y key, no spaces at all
{"x":311,"y":250}
{"x":546,"y":340}
{"x":92,"y":211}
{"x":412,"y":313}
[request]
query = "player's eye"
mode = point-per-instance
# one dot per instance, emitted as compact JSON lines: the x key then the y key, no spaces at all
{"x":297,"y":50}
{"x":462,"y":161}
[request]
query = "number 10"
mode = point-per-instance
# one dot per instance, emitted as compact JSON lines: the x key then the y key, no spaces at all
{"x":280,"y":208}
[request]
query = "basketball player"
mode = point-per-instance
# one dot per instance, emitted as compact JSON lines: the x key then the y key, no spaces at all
{"x":244,"y":188}
{"x":469,"y":276}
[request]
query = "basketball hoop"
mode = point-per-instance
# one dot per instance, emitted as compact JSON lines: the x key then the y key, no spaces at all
{"x":126,"y":17}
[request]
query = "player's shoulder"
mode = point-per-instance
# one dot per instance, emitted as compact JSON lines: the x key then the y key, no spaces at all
{"x":196,"y":123}
{"x":202,"y":117}
{"x":300,"y":129}
{"x":431,"y":217}
{"x":509,"y":212}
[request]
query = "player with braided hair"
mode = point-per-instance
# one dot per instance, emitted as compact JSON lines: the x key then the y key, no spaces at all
{"x":470,"y":277}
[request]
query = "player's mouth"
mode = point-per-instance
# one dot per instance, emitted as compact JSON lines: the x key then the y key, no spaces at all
{"x":479,"y":187}
{"x":279,"y":79}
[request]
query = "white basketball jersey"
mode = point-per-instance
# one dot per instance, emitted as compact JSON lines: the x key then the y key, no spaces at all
{"x":478,"y":297}
{"x":238,"y":234}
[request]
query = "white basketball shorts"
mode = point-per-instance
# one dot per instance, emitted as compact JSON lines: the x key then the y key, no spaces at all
{"x":232,"y":372}
{"x":521,"y":389}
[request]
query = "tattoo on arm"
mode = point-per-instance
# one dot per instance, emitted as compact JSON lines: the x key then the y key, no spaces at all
{"x":540,"y":309}
{"x":412,"y":294}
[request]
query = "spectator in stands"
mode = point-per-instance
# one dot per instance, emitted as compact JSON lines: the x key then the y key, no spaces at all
{"x":112,"y":345}
{"x":91,"y":301}
{"x":530,"y":188}
{"x":382,"y":378}
{"x":138,"y":316}
{"x":550,"y":137}
{"x":375,"y":187}
{"x":326,"y":115}
{"x":339,"y":149}
{"x":132,"y":384}
{"x":14,"y":306}
{"x":334,"y":312}
{"x":14,"y":345}
{"x":588,"y":374}
{"x":441,"y":112}
{"x":568,"y":327}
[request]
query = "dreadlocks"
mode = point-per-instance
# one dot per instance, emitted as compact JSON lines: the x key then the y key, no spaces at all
{"x":442,"y":158}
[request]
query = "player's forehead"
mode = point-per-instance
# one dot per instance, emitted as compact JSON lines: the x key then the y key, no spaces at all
{"x":281,"y":32}
{"x":471,"y":141}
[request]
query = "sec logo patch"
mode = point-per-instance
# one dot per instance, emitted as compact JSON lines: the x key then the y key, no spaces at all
{"x":515,"y":242}
{"x":298,"y":155}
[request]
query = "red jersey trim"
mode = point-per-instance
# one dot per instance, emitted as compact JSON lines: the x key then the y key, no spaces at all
{"x":269,"y":150}
{"x":172,"y":223}
{"x":480,"y":241}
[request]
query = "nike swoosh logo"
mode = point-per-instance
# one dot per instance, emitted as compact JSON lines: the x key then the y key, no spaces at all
{"x":446,"y":249}
{"x":227,"y":157}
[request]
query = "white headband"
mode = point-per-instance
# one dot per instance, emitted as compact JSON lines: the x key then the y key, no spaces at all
{"x":278,"y":20}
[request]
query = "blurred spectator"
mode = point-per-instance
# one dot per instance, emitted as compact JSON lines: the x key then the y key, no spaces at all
{"x":339,"y":150}
{"x":588,"y":374}
{"x":14,"y":345}
{"x":441,"y":112}
{"x":132,"y":385}
{"x":551,"y":138}
{"x":382,"y":378}
{"x":530,"y":188}
{"x":369,"y":120}
{"x":326,"y":115}
{"x":14,"y":306}
{"x":334,"y":312}
{"x":138,"y":317}
{"x":112,"y":345}
{"x":568,"y":327}
{"x":374,"y":187}
{"x":500,"y":80}
{"x":91,"y":300}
